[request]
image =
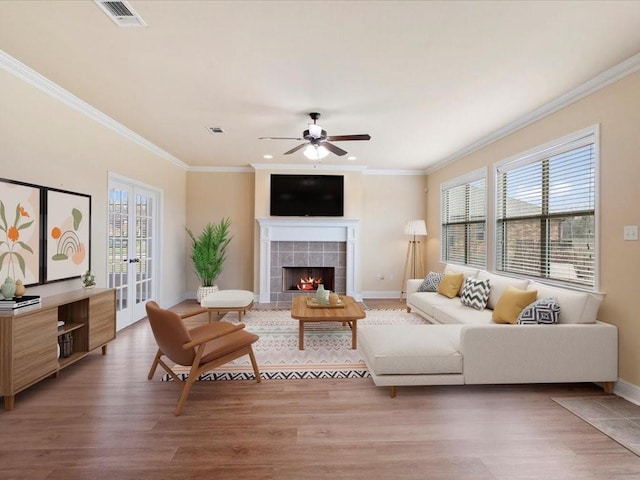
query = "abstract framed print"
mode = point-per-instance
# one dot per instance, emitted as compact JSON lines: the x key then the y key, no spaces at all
{"x":68,"y":235}
{"x":20,"y":232}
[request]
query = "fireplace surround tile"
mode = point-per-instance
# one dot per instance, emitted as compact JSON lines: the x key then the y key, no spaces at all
{"x":317,"y":259}
{"x":300,"y":246}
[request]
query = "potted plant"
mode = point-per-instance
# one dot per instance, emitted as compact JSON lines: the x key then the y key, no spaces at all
{"x":88,"y":279}
{"x":208,"y":253}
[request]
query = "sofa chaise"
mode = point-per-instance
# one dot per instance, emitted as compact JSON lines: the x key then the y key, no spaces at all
{"x":464,"y":345}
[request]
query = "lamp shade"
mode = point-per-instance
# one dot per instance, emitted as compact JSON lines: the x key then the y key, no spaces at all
{"x":415,"y":227}
{"x":313,"y":152}
{"x":315,"y":130}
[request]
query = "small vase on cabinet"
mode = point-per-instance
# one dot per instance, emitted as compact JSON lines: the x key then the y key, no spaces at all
{"x":19,"y":289}
{"x":8,"y":288}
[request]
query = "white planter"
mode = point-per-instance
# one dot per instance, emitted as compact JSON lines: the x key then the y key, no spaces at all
{"x":204,"y":291}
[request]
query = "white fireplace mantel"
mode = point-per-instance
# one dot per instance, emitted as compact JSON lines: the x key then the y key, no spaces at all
{"x":317,"y":229}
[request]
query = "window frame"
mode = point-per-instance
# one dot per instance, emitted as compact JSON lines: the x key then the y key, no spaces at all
{"x":466,"y":179}
{"x":587,"y":136}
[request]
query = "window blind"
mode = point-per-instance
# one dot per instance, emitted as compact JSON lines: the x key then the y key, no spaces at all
{"x":545,"y":214}
{"x":463,"y":211}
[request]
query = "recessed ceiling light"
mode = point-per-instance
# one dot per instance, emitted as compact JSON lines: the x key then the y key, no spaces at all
{"x":267,"y":156}
{"x":352,"y":158}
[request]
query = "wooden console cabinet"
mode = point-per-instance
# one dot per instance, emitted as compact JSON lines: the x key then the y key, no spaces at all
{"x":29,"y":336}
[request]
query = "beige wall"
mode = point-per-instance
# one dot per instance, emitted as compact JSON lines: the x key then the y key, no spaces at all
{"x":212,"y":196}
{"x":45,"y":142}
{"x":389,"y":201}
{"x":615,"y":108}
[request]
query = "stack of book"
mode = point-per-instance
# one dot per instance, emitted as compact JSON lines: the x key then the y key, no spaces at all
{"x":14,"y":303}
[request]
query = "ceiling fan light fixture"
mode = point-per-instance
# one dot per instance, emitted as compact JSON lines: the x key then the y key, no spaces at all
{"x":313,"y":152}
{"x":315,"y":130}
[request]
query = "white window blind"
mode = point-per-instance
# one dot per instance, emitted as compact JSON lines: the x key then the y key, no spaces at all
{"x":545,"y":213}
{"x":463,"y":211}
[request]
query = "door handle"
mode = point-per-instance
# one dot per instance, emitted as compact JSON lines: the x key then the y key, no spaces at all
{"x":134,"y":260}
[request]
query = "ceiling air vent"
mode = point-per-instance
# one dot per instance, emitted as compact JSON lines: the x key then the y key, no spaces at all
{"x":215,"y":130}
{"x":121,"y":13}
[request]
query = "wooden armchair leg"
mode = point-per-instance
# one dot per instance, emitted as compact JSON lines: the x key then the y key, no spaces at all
{"x":154,"y":365}
{"x":254,"y":364}
{"x":183,"y":396}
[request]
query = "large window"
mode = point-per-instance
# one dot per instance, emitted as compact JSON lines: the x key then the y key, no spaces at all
{"x":546,"y":212}
{"x":463,"y":208}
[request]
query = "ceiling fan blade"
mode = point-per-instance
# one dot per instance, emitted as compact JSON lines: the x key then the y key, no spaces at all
{"x":340,"y":138}
{"x":333,"y":148}
{"x":280,"y":138}
{"x":295,"y":149}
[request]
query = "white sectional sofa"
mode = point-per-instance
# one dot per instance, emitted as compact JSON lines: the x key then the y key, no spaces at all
{"x":465,"y":346}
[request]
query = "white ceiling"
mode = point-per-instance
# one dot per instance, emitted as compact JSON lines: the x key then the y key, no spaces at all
{"x":424,"y":79}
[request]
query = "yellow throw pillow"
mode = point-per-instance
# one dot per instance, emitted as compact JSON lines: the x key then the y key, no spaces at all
{"x":511,"y":303}
{"x":450,"y":284}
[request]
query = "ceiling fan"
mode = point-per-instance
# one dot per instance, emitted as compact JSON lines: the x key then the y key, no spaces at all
{"x":318,"y":142}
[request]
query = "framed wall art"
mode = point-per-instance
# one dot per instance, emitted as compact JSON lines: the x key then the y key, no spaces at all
{"x":68,"y":235}
{"x":21,"y":231}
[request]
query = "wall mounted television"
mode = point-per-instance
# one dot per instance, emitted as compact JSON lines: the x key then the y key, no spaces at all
{"x":307,"y":195}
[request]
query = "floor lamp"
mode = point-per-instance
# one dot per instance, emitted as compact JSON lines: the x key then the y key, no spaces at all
{"x":414,"y":263}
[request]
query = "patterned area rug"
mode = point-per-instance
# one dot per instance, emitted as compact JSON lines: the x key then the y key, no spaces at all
{"x":327,"y":352}
{"x":616,"y":417}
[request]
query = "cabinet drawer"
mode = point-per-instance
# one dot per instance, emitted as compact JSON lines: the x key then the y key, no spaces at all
{"x":102,"y":321}
{"x":34,"y":347}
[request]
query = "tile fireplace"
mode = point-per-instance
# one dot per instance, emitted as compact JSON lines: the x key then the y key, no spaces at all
{"x":319,"y":247}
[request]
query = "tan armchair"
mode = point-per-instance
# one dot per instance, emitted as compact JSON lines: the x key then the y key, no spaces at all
{"x":203,"y":348}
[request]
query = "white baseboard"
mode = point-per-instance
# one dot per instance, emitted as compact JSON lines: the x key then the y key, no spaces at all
{"x":628,"y":391}
{"x":174,"y":300}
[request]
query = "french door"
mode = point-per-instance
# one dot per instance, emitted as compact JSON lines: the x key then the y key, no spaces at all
{"x":132,"y":247}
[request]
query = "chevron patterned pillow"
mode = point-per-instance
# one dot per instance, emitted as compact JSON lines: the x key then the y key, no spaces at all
{"x":544,"y":311}
{"x":431,"y":282}
{"x":475,"y":293}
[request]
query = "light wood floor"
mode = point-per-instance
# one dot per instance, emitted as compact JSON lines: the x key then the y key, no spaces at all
{"x":102,"y":419}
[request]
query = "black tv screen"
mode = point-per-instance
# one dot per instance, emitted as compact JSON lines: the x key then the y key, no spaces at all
{"x":307,"y":195}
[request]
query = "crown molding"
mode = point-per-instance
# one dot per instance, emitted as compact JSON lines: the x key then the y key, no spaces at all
{"x":33,"y":78}
{"x":305,"y":166}
{"x":395,"y":172}
{"x":222,"y":169}
{"x":606,"y":78}
{"x":346,"y":168}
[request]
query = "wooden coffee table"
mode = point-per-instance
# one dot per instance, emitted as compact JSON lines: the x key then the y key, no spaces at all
{"x":350,"y":313}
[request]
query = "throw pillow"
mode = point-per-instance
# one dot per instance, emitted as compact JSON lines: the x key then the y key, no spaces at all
{"x":511,"y":303}
{"x":475,"y":293}
{"x":431,"y":282}
{"x":450,"y":284}
{"x":545,"y":311}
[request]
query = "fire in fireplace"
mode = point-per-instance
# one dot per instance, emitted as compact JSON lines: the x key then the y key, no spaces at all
{"x":307,"y":278}
{"x":309,"y":283}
